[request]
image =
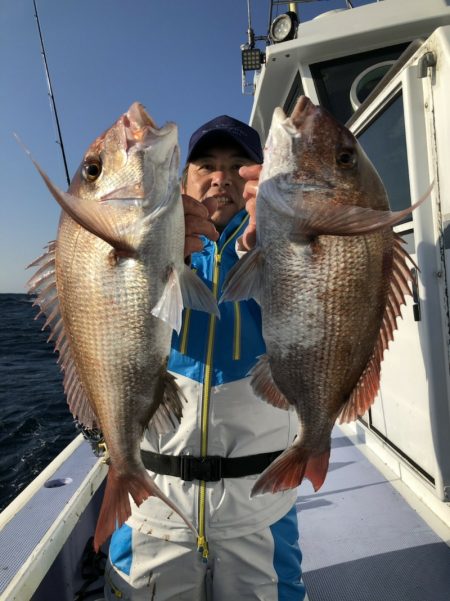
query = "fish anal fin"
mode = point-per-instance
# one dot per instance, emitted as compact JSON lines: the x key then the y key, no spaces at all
{"x":264,"y":386}
{"x":289,"y":469}
{"x":170,"y":410}
{"x":244,"y":279}
{"x":366,"y":389}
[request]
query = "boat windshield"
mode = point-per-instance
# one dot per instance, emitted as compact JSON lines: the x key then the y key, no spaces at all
{"x":384,"y":141}
{"x":334,"y":78}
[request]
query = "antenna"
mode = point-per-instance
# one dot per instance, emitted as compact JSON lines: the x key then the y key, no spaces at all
{"x":252,"y":57}
{"x":51,"y":95}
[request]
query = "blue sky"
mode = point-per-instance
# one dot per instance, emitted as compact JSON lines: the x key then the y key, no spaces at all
{"x":180,"y":58}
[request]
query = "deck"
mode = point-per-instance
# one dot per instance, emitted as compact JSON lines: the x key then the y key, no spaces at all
{"x":364,"y":535}
{"x":362,"y":541}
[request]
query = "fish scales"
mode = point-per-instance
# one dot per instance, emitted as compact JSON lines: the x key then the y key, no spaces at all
{"x":330,"y":276}
{"x":103,"y":304}
{"x":323,"y":367}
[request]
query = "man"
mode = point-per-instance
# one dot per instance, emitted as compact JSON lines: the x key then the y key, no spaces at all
{"x":247,"y":548}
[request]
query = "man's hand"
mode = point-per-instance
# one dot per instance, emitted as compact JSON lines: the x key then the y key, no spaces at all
{"x":251,"y":174}
{"x":197,"y":222}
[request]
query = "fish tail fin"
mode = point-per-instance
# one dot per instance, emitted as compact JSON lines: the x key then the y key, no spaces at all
{"x":289,"y":469}
{"x":143,"y":486}
{"x":317,"y":468}
{"x":116,"y":508}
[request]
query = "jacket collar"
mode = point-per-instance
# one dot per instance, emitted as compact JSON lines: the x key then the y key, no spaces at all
{"x":229,"y":229}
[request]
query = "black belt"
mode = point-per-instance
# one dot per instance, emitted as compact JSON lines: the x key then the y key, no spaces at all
{"x":209,"y":469}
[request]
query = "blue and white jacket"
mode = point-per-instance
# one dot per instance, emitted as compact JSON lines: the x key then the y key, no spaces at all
{"x":211,"y":359}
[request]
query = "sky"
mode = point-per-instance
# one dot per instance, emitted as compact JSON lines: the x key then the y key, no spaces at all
{"x":180,"y":59}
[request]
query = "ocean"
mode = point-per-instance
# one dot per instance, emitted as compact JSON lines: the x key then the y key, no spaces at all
{"x":35,"y":422}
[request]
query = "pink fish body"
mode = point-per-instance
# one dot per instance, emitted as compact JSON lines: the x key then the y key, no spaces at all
{"x":330,"y":276}
{"x":113,"y":286}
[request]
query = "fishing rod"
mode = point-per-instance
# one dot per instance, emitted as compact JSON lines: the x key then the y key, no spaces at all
{"x":51,"y":95}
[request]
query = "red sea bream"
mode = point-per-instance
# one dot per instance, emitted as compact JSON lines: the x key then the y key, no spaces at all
{"x":330,"y":276}
{"x":113,"y":287}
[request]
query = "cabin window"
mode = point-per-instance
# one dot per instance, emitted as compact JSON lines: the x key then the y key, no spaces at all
{"x":333,"y":79}
{"x":384,"y":142}
{"x":295,"y":92}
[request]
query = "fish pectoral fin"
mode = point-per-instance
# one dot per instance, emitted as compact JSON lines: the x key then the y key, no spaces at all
{"x":98,"y":218}
{"x":169,"y":308}
{"x":264,"y":386}
{"x":244,"y":279}
{"x":185,"y":290}
{"x":345,"y":220}
{"x":196,"y":295}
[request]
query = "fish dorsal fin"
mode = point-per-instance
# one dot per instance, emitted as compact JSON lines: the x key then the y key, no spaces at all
{"x":244,"y":279}
{"x":170,"y":411}
{"x":43,"y":284}
{"x":366,"y":389}
{"x":264,"y":386}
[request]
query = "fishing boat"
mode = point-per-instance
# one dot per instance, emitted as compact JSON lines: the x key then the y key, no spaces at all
{"x":379,"y":528}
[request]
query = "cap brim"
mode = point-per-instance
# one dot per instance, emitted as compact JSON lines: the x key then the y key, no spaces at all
{"x":213,"y":138}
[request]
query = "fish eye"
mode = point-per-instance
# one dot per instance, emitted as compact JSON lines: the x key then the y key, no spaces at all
{"x":346,"y":158}
{"x":92,"y":168}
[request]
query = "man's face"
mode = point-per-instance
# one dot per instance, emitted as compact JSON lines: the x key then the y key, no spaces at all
{"x":216,"y":173}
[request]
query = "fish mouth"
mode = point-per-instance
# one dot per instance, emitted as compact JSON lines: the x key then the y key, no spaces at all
{"x":280,"y":119}
{"x":138,"y":132}
{"x":142,"y":132}
{"x":303,"y":110}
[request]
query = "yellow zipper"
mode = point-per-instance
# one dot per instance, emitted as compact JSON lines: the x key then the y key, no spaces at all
{"x":237,"y":332}
{"x":202,"y":543}
{"x":184,"y":333}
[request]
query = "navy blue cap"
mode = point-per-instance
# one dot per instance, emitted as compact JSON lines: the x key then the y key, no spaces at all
{"x":224,"y":127}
